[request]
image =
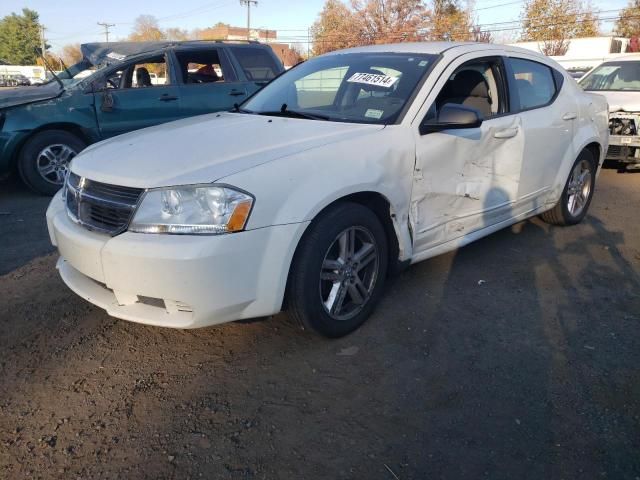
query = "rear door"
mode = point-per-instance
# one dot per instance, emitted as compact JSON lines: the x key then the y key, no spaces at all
{"x":128,"y":99}
{"x":548,"y":115}
{"x":208,"y":81}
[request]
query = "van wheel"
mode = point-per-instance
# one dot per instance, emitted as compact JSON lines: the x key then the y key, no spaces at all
{"x":45,"y":158}
{"x":338,"y":272}
{"x":577,"y":194}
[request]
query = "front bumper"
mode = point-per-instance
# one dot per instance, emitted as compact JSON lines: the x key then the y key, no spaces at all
{"x":178,"y":281}
{"x":624,"y":149}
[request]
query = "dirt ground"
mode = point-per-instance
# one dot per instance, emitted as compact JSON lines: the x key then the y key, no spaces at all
{"x":517,"y":357}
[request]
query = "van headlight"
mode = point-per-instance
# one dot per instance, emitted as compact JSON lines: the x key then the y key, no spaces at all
{"x":192,"y":210}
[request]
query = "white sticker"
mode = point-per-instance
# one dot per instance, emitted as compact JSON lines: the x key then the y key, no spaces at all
{"x":373,"y":79}
{"x":116,"y":56}
{"x":373,"y":113}
{"x":422,"y":63}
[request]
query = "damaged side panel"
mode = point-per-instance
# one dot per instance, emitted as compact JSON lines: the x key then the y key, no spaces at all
{"x":465,"y":180}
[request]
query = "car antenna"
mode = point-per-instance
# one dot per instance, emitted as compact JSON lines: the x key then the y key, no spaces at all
{"x":46,"y":64}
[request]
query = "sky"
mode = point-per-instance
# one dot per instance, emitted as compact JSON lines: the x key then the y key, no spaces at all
{"x":75,"y":21}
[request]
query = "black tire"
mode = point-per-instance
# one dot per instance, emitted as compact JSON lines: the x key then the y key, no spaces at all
{"x":306,"y":289}
{"x":31,"y":158}
{"x":561,"y":213}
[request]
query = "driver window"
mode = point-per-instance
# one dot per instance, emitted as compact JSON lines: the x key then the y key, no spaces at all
{"x":150,"y":73}
{"x":475,"y":84}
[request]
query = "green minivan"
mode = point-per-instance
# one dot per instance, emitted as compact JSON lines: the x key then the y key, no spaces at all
{"x":119,"y":87}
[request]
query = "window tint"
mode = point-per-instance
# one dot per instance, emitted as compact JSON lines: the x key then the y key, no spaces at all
{"x":201,"y":66}
{"x":534,"y":83}
{"x":257,"y":64}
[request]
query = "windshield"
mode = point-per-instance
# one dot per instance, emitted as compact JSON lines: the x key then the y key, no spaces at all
{"x":351,"y":87}
{"x":613,"y":76}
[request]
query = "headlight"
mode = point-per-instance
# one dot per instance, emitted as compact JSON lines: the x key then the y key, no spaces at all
{"x":192,"y":210}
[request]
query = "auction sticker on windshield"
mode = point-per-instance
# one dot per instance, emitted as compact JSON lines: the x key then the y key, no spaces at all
{"x":373,"y":79}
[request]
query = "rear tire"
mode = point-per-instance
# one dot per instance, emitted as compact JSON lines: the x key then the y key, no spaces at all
{"x":577,"y":194}
{"x":45,"y":157}
{"x":338,"y":271}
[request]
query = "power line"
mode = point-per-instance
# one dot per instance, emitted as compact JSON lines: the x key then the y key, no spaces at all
{"x":106,"y":28}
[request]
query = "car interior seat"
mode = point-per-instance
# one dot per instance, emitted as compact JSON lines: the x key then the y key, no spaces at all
{"x":468,"y":88}
{"x":143,"y":79}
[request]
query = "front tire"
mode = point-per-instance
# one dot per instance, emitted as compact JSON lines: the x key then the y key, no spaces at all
{"x":45,"y":158}
{"x":577,"y":194}
{"x":338,"y":272}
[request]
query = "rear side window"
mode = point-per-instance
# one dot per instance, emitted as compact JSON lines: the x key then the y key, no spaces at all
{"x":256,"y":63}
{"x":534,"y":83}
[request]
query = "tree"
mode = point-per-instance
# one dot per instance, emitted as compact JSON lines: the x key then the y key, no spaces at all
{"x":20,"y":38}
{"x":146,"y":29}
{"x":628,"y":24}
{"x":556,"y":22}
{"x":335,"y":28}
{"x":386,"y":21}
{"x":71,"y":54}
{"x":177,"y":34}
{"x":449,"y":21}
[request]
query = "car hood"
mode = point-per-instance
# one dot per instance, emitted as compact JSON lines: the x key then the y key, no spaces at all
{"x":21,"y":95}
{"x":620,"y":101}
{"x":205,"y":148}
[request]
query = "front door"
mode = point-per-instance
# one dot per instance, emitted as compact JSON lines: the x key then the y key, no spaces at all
{"x":136,"y":96}
{"x":466,"y":179}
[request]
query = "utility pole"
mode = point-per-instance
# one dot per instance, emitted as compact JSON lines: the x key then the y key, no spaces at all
{"x":43,"y":44}
{"x":248,"y":3}
{"x":106,"y":26}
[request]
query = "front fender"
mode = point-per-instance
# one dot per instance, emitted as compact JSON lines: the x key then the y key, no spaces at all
{"x":298,"y":187}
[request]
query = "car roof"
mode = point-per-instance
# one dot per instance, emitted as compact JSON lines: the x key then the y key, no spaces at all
{"x":624,"y":58}
{"x":98,"y":52}
{"x":433,"y":48}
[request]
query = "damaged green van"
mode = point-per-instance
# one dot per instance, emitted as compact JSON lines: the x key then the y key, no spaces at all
{"x":119,"y":87}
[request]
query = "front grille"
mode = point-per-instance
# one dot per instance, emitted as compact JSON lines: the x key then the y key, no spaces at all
{"x":99,"y":206}
{"x":614,"y":151}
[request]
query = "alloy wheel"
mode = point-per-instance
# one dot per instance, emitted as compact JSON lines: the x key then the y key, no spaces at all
{"x":53,"y":162}
{"x":579,"y":188}
{"x":349,"y":273}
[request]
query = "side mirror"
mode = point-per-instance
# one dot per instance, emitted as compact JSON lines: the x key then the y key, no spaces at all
{"x":107,"y":102}
{"x":452,"y":116}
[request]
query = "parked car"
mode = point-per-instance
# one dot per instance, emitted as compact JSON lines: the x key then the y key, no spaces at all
{"x":578,"y":73}
{"x":21,"y":80}
{"x":619,"y":81}
{"x":44,"y":128}
{"x":343,"y":169}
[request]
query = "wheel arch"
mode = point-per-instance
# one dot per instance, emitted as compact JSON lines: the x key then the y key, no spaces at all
{"x":380,"y":205}
{"x":69,"y":127}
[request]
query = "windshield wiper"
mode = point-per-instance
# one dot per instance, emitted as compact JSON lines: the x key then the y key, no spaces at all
{"x":285,"y":112}
{"x":46,"y":64}
{"x":237,"y":109}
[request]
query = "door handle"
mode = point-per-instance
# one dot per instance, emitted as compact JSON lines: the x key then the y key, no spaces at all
{"x":507,"y":133}
{"x":570,"y":116}
{"x":167,"y":98}
{"x":237,"y":93}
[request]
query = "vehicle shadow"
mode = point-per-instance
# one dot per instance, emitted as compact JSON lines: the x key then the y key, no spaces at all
{"x":23,"y":226}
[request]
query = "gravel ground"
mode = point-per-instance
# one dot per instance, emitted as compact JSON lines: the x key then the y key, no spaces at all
{"x":533,"y":373}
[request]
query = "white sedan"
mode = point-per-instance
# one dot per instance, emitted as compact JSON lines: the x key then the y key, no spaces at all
{"x":340,"y":171}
